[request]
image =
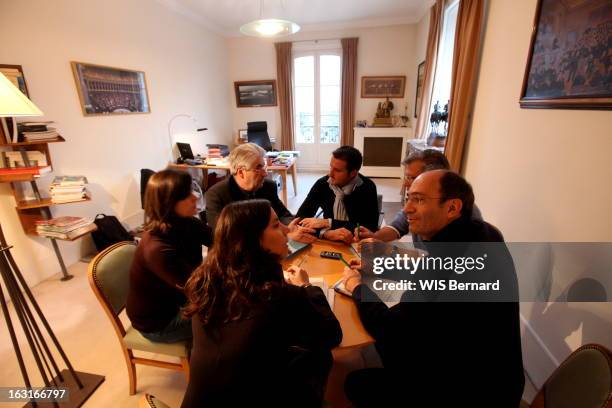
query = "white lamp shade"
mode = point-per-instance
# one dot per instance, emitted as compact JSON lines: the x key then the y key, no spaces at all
{"x":13,"y":102}
{"x":270,"y":27}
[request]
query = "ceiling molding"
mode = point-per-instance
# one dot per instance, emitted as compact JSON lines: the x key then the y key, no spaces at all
{"x":197,"y":18}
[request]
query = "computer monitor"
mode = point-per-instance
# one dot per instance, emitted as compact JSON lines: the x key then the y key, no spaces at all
{"x":185,"y":150}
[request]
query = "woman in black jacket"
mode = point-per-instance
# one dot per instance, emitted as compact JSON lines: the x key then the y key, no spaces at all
{"x":260,"y":338}
{"x":169,"y":251}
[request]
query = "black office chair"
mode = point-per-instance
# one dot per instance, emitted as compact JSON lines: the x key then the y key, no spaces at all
{"x":145,"y":175}
{"x":257,"y":132}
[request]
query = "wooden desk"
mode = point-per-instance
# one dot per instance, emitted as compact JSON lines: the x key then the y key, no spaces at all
{"x":281,"y":169}
{"x":347,"y":356}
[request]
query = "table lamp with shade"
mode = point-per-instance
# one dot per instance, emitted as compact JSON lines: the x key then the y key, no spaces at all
{"x":14,"y":103}
{"x":78,"y":384}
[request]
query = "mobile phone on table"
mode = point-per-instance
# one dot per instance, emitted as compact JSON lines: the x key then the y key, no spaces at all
{"x":334,"y":255}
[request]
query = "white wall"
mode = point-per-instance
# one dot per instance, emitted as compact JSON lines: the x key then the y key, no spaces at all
{"x":382,"y":51}
{"x":186,"y":72}
{"x":540,"y":175}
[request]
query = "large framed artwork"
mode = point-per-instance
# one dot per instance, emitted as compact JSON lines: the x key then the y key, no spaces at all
{"x":570,"y":57}
{"x":110,"y":91}
{"x":252,"y":94}
{"x":14,"y":73}
{"x":383,"y":86}
{"x":419,"y":88}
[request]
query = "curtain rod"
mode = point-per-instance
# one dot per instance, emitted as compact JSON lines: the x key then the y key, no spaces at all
{"x":317,"y":40}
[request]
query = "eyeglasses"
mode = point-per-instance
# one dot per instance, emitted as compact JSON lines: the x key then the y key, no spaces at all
{"x":263,"y":168}
{"x":418,"y":199}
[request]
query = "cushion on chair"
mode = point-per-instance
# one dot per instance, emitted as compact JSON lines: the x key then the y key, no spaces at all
{"x":112,"y":272}
{"x":583,"y":380}
{"x":135,"y":340}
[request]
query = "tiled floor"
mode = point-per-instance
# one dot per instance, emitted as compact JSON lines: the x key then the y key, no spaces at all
{"x":90,"y":342}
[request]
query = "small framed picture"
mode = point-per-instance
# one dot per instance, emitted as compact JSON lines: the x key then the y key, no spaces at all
{"x":110,"y":91}
{"x":252,"y":94}
{"x":383,"y":86}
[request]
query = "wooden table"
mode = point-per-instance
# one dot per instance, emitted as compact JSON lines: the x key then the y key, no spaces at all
{"x":347,"y":356}
{"x":224,"y":165}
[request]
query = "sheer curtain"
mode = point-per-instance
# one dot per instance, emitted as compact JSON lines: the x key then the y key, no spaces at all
{"x":433,"y":39}
{"x":349,"y":82}
{"x":284,"y":68}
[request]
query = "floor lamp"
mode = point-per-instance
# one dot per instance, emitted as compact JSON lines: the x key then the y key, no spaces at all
{"x":75,"y":387}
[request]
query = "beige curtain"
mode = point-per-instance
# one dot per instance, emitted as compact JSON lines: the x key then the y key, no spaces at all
{"x":431,"y":56}
{"x":349,"y":84}
{"x":465,"y":70}
{"x":284,"y":69}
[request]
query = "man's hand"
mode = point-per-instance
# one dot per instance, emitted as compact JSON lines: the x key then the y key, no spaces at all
{"x":362,"y":233}
{"x":315,"y":223}
{"x":340,"y":234}
{"x":299,"y":233}
{"x":352,"y":276}
{"x":296,"y":276}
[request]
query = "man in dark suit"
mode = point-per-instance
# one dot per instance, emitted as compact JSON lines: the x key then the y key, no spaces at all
{"x":439,"y":353}
{"x":248,"y":181}
{"x":346,"y":197}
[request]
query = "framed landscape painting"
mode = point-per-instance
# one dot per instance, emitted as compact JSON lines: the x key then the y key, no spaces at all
{"x":110,"y":91}
{"x":383,"y":86}
{"x":252,"y":94}
{"x":570,"y":57}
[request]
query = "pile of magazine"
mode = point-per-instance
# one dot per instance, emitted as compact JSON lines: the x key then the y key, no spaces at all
{"x":67,"y":189}
{"x":64,"y":227}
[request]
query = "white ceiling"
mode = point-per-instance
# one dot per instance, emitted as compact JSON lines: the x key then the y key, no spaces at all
{"x":226,"y":16}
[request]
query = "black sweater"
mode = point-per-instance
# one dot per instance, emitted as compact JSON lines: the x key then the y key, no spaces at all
{"x":245,"y":363}
{"x":161,"y":266}
{"x":228,"y":191}
{"x":361,"y":205}
{"x":462,"y":354}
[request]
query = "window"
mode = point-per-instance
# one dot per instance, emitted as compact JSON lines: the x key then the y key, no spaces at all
{"x":444,"y":67}
{"x":317,"y":96}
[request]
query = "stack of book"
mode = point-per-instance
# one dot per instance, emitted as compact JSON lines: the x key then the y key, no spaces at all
{"x":13,"y":164}
{"x":64,"y":227}
{"x":36,"y":131}
{"x":213,"y":153}
{"x":66,"y":189}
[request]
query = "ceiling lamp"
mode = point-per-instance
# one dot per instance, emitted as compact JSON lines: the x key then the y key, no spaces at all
{"x":269,"y":27}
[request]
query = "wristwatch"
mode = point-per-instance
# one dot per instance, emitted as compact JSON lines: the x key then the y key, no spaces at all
{"x":307,"y":285}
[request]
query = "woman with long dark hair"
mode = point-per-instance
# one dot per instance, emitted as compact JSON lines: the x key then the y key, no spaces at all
{"x":261,"y":337}
{"x":169,"y":251}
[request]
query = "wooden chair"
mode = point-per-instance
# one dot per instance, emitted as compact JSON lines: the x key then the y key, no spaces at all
{"x":109,"y":279}
{"x":583,"y":379}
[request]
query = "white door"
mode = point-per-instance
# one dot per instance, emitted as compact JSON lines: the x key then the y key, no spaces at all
{"x":316,"y":106}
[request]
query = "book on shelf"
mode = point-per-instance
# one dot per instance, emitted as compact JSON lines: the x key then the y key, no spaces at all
{"x":69,"y":235}
{"x":64,"y":221}
{"x":63,"y":228}
{"x":15,"y":159}
{"x":69,"y":181}
{"x":35,"y":170}
{"x":68,"y":198}
{"x":34,"y":136}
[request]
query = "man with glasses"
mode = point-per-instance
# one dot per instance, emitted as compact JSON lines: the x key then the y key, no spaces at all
{"x":248,"y":181}
{"x":460,"y":353}
{"x":414,"y":165}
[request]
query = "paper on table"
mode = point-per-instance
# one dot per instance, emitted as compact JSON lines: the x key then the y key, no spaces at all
{"x":329,"y":293}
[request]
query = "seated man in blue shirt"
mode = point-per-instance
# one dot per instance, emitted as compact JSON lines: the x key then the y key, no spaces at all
{"x":415,"y":164}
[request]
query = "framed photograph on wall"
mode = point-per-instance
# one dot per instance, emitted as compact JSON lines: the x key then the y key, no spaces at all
{"x":14,"y":73}
{"x":569,"y":57}
{"x":419,"y":88}
{"x":383,"y":86}
{"x":252,"y":94}
{"x":110,"y":91}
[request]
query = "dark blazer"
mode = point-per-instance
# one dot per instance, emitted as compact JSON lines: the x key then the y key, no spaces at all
{"x":461,"y":354}
{"x":161,"y":266}
{"x":228,"y":191}
{"x":248,"y":362}
{"x":361,"y":205}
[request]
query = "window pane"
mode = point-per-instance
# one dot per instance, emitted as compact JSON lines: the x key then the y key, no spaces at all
{"x":330,"y":70}
{"x":330,"y":98}
{"x":304,"y":99}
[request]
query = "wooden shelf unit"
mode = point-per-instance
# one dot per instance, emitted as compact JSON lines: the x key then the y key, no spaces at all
{"x":32,"y":210}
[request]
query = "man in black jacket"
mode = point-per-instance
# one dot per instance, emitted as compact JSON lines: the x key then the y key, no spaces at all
{"x":446,"y":353}
{"x":346,"y":197}
{"x":248,"y":181}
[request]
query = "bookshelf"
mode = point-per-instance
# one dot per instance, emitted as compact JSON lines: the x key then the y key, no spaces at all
{"x":39,"y":208}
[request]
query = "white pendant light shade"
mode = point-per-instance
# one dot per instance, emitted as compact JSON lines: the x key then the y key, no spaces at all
{"x":269,"y":27}
{"x":13,"y":102}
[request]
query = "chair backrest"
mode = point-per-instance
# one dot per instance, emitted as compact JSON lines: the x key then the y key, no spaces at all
{"x":145,"y":175}
{"x":583,"y":380}
{"x":150,"y":401}
{"x":257,"y":132}
{"x":109,"y":275}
